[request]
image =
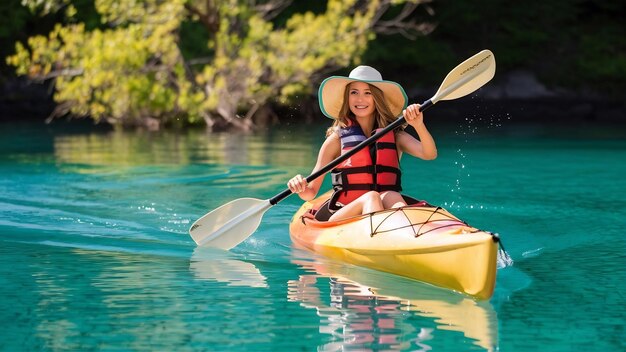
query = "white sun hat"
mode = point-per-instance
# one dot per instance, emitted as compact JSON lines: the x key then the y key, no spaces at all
{"x":331,"y":92}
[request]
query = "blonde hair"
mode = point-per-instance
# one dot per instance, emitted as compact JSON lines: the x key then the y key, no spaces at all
{"x":382,"y":114}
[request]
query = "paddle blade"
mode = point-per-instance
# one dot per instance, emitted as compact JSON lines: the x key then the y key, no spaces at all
{"x":467,"y":77}
{"x":230,"y":224}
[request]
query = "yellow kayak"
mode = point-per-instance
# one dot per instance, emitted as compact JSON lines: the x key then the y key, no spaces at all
{"x":419,"y":241}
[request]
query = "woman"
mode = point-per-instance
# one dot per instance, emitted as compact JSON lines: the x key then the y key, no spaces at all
{"x":368,"y":181}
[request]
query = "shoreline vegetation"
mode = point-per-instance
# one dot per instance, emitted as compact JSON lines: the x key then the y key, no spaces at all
{"x":253,"y":64}
{"x":530,"y":101}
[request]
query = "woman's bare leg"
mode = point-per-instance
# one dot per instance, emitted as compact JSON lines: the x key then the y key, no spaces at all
{"x":392,"y":200}
{"x":367,"y":203}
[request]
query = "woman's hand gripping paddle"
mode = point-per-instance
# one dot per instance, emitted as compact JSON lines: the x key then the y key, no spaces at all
{"x":233,"y":222}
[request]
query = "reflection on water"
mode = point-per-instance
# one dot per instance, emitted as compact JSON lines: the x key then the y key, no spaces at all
{"x":84,"y":299}
{"x":361,"y":309}
{"x":219,"y":265}
{"x":369,"y":310}
{"x":122,"y":148}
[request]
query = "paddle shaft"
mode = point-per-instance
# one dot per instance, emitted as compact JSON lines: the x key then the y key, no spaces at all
{"x":284,"y":194}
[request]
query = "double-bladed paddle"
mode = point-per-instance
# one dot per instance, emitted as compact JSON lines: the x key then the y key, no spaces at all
{"x":233,"y":222}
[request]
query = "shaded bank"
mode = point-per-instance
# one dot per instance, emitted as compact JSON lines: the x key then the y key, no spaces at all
{"x":21,"y":99}
{"x":517,"y":95}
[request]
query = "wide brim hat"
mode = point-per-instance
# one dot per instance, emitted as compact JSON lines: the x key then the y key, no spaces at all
{"x":331,"y":92}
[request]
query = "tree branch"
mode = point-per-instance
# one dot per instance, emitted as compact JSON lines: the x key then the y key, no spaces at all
{"x":402,"y":24}
{"x":273,"y":8}
{"x":210,"y":18}
{"x":66,"y":72}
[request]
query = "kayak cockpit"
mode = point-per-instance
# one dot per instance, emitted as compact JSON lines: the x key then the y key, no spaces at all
{"x":321,"y":211}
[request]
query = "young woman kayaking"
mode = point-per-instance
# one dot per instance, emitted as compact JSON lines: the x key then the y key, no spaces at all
{"x":368,"y":181}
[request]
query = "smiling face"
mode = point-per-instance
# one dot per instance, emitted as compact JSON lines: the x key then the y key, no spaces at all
{"x":360,"y":99}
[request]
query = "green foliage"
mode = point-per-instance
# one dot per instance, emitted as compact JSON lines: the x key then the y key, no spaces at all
{"x":133,"y":67}
{"x":223,"y":62}
{"x":122,"y":74}
{"x":16,"y":24}
{"x":256,"y":62}
{"x":45,"y":6}
{"x":568,"y":43}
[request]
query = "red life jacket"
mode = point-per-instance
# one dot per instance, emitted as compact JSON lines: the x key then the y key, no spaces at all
{"x":371,"y":169}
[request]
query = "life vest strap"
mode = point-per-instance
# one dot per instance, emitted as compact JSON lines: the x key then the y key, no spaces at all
{"x":384,"y":168}
{"x":354,"y":170}
{"x":371,"y":169}
{"x":386,"y":145}
{"x":385,"y":188}
{"x":356,"y":187}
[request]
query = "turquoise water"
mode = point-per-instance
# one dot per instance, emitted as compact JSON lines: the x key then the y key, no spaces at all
{"x":95,"y":255}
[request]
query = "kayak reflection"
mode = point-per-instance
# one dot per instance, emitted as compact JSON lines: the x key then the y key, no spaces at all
{"x":368,"y":309}
{"x":221,"y":266}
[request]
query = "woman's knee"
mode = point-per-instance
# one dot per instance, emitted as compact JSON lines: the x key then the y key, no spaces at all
{"x":392,"y":199}
{"x":371,"y":202}
{"x":373,"y":196}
